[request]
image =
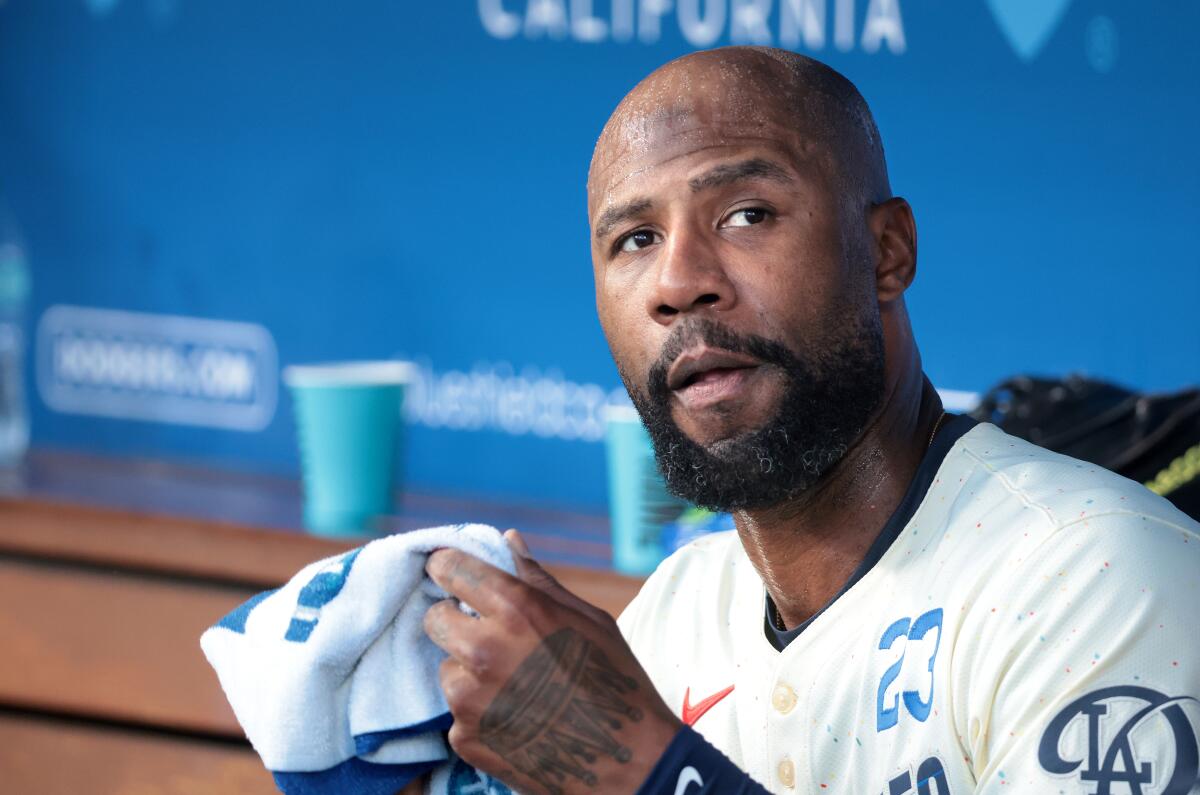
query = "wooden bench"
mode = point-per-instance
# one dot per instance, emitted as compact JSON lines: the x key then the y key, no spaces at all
{"x":103,"y":687}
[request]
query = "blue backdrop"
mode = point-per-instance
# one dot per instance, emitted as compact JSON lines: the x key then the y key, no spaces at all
{"x":385,"y":178}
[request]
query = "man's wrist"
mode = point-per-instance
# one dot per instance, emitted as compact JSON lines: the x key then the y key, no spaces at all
{"x":649,"y":741}
{"x":689,"y":764}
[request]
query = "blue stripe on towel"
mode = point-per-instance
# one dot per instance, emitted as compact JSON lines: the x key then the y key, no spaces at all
{"x":236,"y":620}
{"x":322,"y":589}
{"x":354,"y":776}
{"x":372,"y":741}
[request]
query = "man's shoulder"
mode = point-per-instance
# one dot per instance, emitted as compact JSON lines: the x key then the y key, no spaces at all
{"x":709,"y":551}
{"x":1017,"y":514}
{"x":1062,"y":490}
{"x":1003,"y":511}
{"x":712,"y":558}
{"x":702,"y":576}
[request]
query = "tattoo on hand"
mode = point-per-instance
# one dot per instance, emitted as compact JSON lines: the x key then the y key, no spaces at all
{"x":557,"y":714}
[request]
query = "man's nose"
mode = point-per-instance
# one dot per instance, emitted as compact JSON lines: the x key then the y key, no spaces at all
{"x":690,"y":278}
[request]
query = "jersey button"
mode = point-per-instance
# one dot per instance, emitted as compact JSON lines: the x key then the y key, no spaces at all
{"x":783,"y":699}
{"x":787,"y":773}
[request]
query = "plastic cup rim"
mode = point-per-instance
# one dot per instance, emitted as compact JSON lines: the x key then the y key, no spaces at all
{"x":384,"y":372}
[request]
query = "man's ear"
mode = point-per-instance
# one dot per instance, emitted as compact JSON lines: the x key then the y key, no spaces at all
{"x":895,"y":235}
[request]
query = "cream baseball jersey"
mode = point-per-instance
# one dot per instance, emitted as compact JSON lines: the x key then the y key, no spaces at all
{"x":1026,"y":623}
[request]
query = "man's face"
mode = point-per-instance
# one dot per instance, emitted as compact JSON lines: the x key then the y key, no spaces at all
{"x":741,"y":315}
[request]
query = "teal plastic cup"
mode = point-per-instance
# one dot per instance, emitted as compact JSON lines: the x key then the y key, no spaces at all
{"x":639,"y":505}
{"x":350,"y":434}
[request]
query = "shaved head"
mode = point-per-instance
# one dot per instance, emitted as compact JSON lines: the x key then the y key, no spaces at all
{"x":752,"y":87}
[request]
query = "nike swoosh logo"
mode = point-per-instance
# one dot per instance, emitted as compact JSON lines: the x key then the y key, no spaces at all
{"x":688,"y":775}
{"x":692,"y":714}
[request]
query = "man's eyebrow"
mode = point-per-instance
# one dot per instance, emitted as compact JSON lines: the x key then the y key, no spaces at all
{"x":756,"y":168}
{"x":622,"y":212}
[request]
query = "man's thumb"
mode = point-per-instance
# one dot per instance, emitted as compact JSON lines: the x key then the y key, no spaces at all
{"x":531,"y":572}
{"x":517,"y":544}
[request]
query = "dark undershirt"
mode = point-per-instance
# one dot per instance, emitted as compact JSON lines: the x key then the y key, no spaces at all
{"x":952,"y":429}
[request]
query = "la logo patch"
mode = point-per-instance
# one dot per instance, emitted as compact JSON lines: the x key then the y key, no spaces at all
{"x":1111,"y":737}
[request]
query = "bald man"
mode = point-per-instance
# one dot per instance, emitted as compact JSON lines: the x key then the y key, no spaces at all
{"x":911,"y":602}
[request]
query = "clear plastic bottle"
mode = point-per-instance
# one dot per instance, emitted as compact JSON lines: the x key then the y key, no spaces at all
{"x":14,"y":296}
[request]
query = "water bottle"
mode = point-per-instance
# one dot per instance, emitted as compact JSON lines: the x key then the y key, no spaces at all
{"x":14,"y":295}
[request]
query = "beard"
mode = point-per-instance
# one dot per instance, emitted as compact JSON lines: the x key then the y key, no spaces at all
{"x":829,"y":396}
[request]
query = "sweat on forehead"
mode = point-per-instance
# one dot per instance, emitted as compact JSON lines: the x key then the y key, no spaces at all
{"x":747,"y":88}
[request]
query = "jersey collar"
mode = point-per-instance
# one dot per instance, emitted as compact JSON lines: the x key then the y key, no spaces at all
{"x":951,"y":431}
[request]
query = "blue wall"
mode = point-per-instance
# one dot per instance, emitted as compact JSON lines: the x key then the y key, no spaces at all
{"x":387,"y":178}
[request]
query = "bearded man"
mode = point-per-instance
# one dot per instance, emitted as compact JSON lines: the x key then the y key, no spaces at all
{"x":911,"y":602}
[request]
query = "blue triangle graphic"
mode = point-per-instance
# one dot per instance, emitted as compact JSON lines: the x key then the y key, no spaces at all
{"x":1028,"y":24}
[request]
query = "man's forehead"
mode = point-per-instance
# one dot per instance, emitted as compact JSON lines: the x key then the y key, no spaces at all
{"x":673,"y":106}
{"x":639,"y":151}
{"x":732,"y":97}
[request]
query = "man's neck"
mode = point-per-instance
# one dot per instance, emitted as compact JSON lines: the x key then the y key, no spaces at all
{"x":805,"y":550}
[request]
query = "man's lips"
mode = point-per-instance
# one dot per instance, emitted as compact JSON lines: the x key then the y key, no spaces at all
{"x":706,"y":367}
{"x":716,"y":387}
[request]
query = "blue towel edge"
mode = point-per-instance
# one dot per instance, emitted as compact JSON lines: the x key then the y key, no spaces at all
{"x":354,"y":775}
{"x":372,"y":741}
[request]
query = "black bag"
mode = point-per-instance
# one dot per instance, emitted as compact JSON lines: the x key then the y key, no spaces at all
{"x":1153,"y":439}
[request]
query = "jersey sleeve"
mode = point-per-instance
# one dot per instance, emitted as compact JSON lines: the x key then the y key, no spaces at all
{"x":1085,"y":675}
{"x":628,"y":620}
{"x":641,"y":622}
{"x":693,"y":766}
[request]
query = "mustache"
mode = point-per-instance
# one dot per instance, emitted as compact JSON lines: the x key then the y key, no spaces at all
{"x":693,"y":332}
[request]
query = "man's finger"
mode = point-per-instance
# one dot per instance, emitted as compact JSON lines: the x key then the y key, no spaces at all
{"x":461,"y":689}
{"x":528,"y":569}
{"x":450,"y":628}
{"x":481,"y":585}
{"x":467,"y":640}
{"x":531,"y":572}
{"x":517,"y":542}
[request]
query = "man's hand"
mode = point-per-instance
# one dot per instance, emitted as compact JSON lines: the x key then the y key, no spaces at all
{"x":546,"y":695}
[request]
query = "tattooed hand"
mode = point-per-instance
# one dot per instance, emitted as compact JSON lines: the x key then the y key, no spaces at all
{"x":545,"y":693}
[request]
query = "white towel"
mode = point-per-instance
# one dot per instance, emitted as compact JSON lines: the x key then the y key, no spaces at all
{"x":333,"y":678}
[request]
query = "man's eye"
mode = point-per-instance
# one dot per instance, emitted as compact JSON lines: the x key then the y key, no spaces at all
{"x":639,"y":239}
{"x":747,"y":216}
